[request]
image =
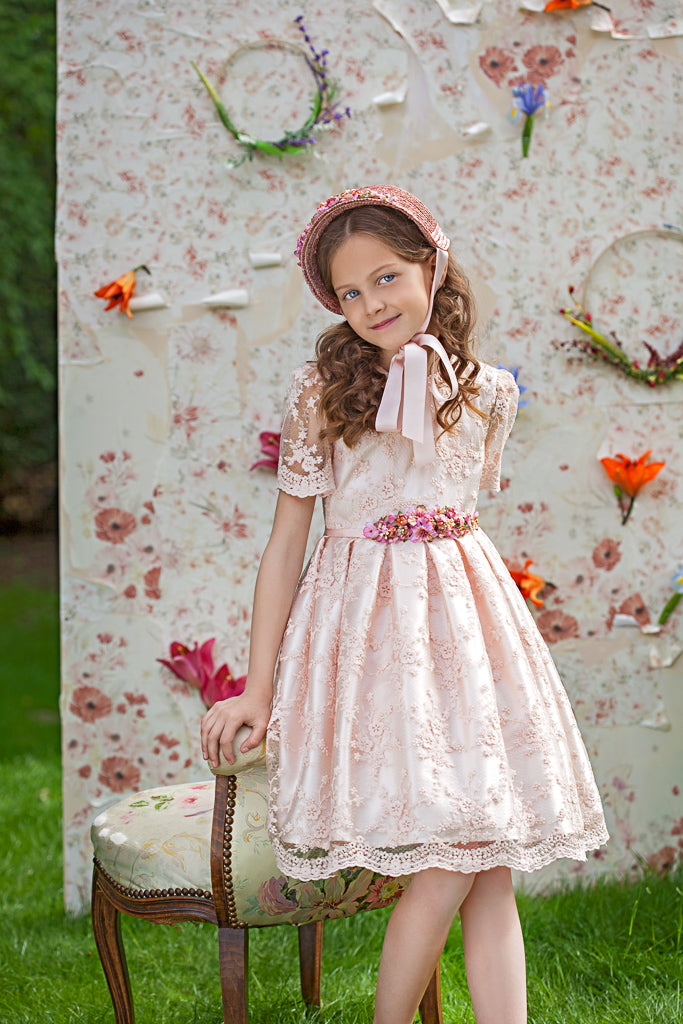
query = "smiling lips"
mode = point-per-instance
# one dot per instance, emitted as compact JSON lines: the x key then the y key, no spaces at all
{"x":386,"y":323}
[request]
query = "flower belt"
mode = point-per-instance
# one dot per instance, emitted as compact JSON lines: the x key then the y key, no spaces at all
{"x":414,"y":524}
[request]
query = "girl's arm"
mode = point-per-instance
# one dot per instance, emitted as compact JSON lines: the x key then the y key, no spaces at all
{"x":276,"y":582}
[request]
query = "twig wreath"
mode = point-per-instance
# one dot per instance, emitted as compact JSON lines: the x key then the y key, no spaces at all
{"x":659,"y":369}
{"x":323,"y":113}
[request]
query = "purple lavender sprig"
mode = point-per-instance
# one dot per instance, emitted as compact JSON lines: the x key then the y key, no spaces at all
{"x":324,"y":111}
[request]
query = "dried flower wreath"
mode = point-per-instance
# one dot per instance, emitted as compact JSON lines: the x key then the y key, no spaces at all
{"x":659,"y":369}
{"x":323,"y":113}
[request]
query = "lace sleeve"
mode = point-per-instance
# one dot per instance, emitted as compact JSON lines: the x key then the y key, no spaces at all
{"x":305,"y":465}
{"x":500,"y":424}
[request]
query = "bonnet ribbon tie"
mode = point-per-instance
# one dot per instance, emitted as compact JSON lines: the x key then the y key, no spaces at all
{"x":406,"y":407}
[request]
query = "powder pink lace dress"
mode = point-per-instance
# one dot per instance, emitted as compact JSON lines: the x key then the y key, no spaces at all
{"x":418,"y":718}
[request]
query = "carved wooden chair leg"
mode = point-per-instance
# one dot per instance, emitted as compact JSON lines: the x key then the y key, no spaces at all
{"x":106,"y":926}
{"x":233,"y":955}
{"x":430,"y":1006}
{"x":310,"y":960}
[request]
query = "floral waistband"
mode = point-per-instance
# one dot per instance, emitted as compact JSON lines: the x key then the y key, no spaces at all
{"x":415,"y":524}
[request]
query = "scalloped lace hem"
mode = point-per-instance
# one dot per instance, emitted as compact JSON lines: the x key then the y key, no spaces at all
{"x":304,"y":487}
{"x":478,"y":856}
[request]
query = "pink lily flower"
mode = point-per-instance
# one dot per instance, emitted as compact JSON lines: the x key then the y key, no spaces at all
{"x":192,"y":666}
{"x":270,"y":447}
{"x":221,"y":686}
{"x":195,"y":665}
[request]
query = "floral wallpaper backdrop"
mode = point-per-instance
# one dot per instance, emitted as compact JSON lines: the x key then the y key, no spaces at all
{"x":163,"y":522}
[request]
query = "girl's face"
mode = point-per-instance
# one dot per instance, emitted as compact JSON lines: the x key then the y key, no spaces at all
{"x":384,"y":297}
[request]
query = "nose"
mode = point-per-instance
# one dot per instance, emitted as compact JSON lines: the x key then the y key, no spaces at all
{"x":374,"y":303}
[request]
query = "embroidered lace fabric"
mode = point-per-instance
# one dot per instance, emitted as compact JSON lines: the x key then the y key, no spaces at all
{"x":418,"y":718}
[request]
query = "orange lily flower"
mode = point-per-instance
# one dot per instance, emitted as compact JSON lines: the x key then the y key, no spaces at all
{"x":529,"y":584}
{"x":567,"y":5}
{"x":120,"y":291}
{"x":629,"y":476}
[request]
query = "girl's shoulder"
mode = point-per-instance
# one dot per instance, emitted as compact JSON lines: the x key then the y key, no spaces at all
{"x":307,"y":374}
{"x":496,"y":386}
{"x":305,"y":386}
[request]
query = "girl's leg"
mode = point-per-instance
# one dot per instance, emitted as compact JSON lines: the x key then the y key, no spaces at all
{"x":494,"y":950}
{"x":415,"y":937}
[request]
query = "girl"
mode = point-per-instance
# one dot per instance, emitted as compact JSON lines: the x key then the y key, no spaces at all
{"x":418,"y":724}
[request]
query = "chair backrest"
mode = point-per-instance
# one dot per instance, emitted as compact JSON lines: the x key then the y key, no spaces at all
{"x":248,"y":887}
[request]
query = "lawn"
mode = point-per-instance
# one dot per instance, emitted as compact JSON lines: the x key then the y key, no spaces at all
{"x":607,"y":955}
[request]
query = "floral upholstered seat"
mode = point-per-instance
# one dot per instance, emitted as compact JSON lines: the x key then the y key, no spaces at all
{"x":159,"y":839}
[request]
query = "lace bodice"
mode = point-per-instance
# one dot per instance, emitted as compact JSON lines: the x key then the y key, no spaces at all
{"x":379,"y":474}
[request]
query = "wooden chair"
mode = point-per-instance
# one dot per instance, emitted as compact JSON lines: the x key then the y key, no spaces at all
{"x":199,"y":852}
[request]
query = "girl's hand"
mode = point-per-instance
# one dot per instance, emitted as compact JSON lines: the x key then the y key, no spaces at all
{"x":221,"y":722}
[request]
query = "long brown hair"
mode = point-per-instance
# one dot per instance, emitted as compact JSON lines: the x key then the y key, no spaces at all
{"x":350,"y":367}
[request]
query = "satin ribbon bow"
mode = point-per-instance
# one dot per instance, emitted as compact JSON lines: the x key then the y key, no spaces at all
{"x":406,"y":407}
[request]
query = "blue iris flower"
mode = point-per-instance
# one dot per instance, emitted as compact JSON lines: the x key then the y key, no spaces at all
{"x":529,"y":99}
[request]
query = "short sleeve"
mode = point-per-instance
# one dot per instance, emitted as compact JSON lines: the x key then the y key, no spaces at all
{"x":502,"y":417}
{"x":305,"y":464}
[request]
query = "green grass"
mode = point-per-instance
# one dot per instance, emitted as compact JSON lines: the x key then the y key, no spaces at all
{"x":29,"y":673}
{"x":612,"y":954}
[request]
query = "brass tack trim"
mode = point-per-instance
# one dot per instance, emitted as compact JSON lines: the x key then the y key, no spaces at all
{"x":150,"y":894}
{"x":233,"y":919}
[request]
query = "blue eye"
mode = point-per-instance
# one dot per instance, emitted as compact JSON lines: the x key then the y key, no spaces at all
{"x":387,"y":277}
{"x":351,"y":294}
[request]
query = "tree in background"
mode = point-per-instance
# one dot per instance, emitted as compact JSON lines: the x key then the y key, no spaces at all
{"x":28,"y":292}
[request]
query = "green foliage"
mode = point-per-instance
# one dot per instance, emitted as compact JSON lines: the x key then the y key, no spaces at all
{"x":27,"y":200}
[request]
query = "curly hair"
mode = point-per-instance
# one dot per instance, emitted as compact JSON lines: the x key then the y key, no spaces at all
{"x":350,"y":367}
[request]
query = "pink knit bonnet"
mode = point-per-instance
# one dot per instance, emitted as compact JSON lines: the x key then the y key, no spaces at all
{"x":370,"y":195}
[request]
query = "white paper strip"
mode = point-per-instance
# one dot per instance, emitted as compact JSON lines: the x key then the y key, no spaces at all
{"x":459,"y":13}
{"x":233,"y":298}
{"x":625,"y":620}
{"x":259,"y":260}
{"x":476,"y":128}
{"x":601,"y":21}
{"x":390,"y":99}
{"x":153,"y":300}
{"x":629,"y":620}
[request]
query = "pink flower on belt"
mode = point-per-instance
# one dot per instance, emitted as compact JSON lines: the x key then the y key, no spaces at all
{"x":423,"y":529}
{"x":195,"y":665}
